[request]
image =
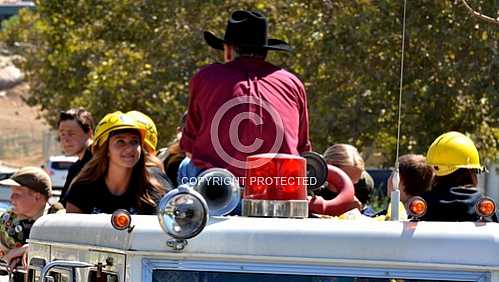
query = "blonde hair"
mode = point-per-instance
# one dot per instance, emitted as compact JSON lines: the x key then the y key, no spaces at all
{"x":344,"y":155}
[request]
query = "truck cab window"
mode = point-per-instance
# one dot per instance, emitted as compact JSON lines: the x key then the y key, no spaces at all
{"x":208,"y":276}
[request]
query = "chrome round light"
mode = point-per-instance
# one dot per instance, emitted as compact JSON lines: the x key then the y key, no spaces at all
{"x":183,"y":213}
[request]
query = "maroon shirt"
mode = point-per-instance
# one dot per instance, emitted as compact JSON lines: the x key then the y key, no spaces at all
{"x":240,"y":103}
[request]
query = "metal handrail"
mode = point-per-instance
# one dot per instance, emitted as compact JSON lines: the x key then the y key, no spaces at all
{"x":62,"y":263}
{"x":20,"y":269}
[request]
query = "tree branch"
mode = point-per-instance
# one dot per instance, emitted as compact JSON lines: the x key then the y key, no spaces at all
{"x":480,"y":15}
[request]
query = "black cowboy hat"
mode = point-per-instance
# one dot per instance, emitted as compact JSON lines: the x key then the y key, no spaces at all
{"x":246,"y":29}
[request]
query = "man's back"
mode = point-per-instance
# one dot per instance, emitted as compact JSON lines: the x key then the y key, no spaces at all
{"x":244,"y":107}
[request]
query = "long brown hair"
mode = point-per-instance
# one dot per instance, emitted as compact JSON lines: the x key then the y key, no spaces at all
{"x":148,"y":189}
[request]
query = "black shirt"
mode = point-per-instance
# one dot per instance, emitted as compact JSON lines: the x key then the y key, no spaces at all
{"x":93,"y":198}
{"x":73,"y":171}
{"x":171,"y":164}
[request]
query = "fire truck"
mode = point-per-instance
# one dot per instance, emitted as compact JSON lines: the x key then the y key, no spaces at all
{"x":193,"y":238}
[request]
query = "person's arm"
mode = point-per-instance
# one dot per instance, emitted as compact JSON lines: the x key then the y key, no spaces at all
{"x":193,"y":120}
{"x":304,"y":144}
{"x":15,"y":256}
{"x":70,"y":208}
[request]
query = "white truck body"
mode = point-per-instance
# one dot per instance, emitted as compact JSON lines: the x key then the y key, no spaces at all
{"x":250,"y":249}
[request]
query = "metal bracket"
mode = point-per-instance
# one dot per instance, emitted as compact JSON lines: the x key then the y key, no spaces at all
{"x":176,"y":244}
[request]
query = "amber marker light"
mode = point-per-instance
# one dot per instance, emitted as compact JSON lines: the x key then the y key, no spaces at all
{"x":121,"y":219}
{"x":416,"y":207}
{"x":485,"y":207}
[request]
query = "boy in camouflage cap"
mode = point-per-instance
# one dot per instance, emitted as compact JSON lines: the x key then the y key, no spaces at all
{"x":30,"y":190}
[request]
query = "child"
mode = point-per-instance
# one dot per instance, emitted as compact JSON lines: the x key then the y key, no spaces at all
{"x":415,"y":179}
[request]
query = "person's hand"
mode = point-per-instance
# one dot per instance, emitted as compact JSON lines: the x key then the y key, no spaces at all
{"x":356,"y":204}
{"x":15,"y":257}
{"x":13,"y":263}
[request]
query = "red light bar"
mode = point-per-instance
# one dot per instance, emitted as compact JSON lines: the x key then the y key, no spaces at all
{"x":275,"y":177}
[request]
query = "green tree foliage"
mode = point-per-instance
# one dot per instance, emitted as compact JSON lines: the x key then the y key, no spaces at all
{"x":140,"y":54}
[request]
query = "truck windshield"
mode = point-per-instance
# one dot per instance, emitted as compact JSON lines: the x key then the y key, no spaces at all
{"x":205,"y":276}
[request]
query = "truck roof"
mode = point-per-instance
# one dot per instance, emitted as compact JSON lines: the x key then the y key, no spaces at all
{"x":463,"y":243}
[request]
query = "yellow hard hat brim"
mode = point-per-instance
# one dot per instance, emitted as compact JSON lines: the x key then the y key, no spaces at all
{"x":105,"y":135}
{"x":443,"y":170}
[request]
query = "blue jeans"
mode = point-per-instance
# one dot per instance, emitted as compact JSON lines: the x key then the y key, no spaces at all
{"x":187,"y":171}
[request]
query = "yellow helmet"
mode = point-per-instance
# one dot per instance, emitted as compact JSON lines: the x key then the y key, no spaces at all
{"x":151,"y":138}
{"x":451,"y":151}
{"x":112,"y":122}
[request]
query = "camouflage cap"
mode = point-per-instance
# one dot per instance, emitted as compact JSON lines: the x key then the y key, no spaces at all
{"x":31,"y":177}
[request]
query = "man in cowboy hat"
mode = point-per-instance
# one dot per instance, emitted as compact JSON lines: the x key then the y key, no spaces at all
{"x":245,"y":106}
